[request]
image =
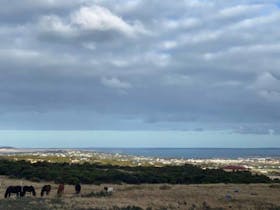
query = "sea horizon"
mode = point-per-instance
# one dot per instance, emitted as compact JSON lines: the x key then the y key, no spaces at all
{"x":198,"y":153}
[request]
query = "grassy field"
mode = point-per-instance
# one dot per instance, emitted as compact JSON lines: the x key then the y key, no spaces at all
{"x":137,"y":197}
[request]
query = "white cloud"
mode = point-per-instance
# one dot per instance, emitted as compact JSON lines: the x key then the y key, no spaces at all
{"x":169,"y":44}
{"x":256,"y":21}
{"x":54,"y":24}
{"x":114,"y":82}
{"x":178,"y":80}
{"x":236,"y":51}
{"x":240,"y":10}
{"x":120,"y":63}
{"x":127,"y":6}
{"x":89,"y":45}
{"x":100,"y":18}
{"x":266,"y":81}
{"x":19,"y":53}
{"x":185,"y":23}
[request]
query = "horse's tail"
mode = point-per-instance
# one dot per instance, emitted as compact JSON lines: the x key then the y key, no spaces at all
{"x":42,"y":192}
{"x":7,"y":193}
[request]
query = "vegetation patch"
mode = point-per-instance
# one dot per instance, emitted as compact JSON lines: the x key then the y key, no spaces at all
{"x":165,"y":187}
{"x":275,"y":186}
{"x":87,"y":173}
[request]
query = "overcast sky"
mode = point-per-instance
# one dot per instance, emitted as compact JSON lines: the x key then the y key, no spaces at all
{"x":186,"y":65}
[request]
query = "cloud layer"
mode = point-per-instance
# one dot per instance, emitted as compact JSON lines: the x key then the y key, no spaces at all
{"x":91,"y":64}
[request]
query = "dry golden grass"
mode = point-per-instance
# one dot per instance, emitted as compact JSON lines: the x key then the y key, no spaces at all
{"x":243,"y":196}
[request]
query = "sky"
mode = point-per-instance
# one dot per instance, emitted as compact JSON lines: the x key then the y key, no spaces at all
{"x":186,"y":73}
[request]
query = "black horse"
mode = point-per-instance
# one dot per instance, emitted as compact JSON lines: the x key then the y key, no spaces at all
{"x":46,"y":189}
{"x":78,"y":188}
{"x":29,"y":189}
{"x":13,"y":189}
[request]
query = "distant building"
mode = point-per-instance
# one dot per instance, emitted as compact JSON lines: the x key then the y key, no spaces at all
{"x":232,"y":168}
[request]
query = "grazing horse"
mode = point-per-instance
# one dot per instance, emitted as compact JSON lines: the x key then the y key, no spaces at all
{"x":13,"y":189}
{"x":46,"y":189}
{"x":78,"y":188}
{"x":60,"y":189}
{"x":109,"y":190}
{"x":29,"y":189}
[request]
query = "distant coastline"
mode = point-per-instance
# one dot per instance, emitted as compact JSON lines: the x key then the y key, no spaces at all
{"x":181,"y":153}
{"x":196,"y":153}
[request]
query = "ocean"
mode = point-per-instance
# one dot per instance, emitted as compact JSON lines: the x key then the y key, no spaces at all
{"x":196,"y":153}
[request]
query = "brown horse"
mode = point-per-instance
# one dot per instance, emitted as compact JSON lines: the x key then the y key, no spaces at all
{"x":78,"y":188}
{"x":46,"y":189}
{"x":60,"y":189}
{"x":29,"y":189}
{"x":13,"y":190}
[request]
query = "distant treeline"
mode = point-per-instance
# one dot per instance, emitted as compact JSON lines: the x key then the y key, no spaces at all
{"x":96,"y":174}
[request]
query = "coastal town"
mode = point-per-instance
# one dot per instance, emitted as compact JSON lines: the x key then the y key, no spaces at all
{"x":269,"y":166}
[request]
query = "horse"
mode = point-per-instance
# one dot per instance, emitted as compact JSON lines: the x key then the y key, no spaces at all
{"x":109,"y":190}
{"x":78,"y":188}
{"x":46,"y":189}
{"x":60,"y":189}
{"x":29,"y":189}
{"x":13,"y":189}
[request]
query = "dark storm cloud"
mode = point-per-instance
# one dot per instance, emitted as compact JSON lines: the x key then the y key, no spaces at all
{"x":141,"y":65}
